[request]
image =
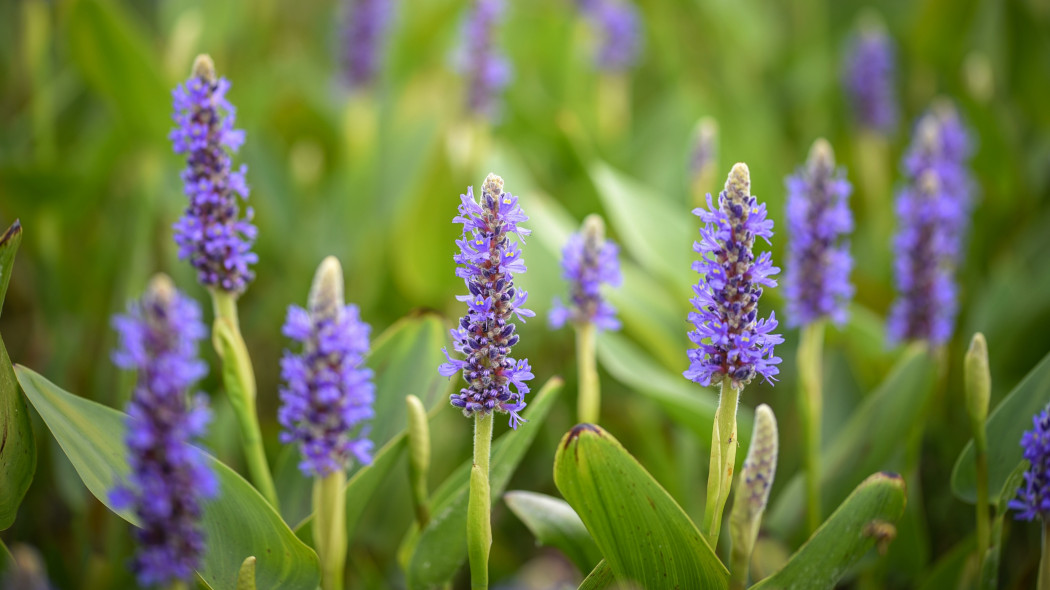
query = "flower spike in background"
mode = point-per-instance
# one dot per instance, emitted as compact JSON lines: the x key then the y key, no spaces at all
{"x":327,"y":397}
{"x":733,"y":344}
{"x":588,"y":261}
{"x":169,"y":480}
{"x":479,"y":58}
{"x":364,"y":33}
{"x":488,"y":261}
{"x":817,"y":282}
{"x":869,"y":71}
{"x":1033,"y":497}
{"x":618,"y":24}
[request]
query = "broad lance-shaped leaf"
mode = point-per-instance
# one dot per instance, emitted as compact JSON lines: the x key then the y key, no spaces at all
{"x":396,"y":357}
{"x":238,"y":522}
{"x":866,"y":442}
{"x":645,"y":536}
{"x":865,"y":519}
{"x":553,"y":522}
{"x":601,"y":577}
{"x":1005,"y":427}
{"x":434,"y":556}
{"x":17,"y":445}
{"x":656,"y":233}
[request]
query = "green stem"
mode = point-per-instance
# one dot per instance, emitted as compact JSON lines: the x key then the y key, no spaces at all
{"x":723,"y":460}
{"x":330,"y":528}
{"x":479,"y":521}
{"x":179,"y":585}
{"x":239,"y":380}
{"x":811,"y":402}
{"x":590,"y":395}
{"x":983,"y":518}
{"x":1044,"y":560}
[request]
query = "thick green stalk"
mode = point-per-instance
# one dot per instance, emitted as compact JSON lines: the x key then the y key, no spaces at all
{"x":330,"y":528}
{"x":590,"y":395}
{"x":811,"y":402}
{"x":479,"y":520}
{"x":179,"y":585}
{"x":723,"y":460}
{"x":983,"y":516}
{"x":239,"y":380}
{"x":1044,"y":560}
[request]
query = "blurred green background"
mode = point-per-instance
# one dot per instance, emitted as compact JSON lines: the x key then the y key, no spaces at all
{"x":374,"y":178}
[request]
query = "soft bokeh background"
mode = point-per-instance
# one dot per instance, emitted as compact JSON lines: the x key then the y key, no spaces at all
{"x":374,"y":178}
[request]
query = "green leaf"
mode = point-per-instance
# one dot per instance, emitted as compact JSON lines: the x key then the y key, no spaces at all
{"x":238,"y":522}
{"x":601,"y":577}
{"x":405,"y":358}
{"x":644,"y":535}
{"x":687,"y":403}
{"x":246,"y":577}
{"x":1005,"y":426}
{"x":865,"y":518}
{"x":656,"y":234}
{"x":114,"y":55}
{"x":17,"y":445}
{"x":553,"y":522}
{"x":866,"y":442}
{"x":440,"y":550}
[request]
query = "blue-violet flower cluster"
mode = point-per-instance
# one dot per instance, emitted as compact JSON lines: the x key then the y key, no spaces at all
{"x":487,"y":70}
{"x":869,"y":79}
{"x":943,"y":145}
{"x":1033,"y":497}
{"x":732,"y":342}
{"x":588,"y":262}
{"x":211,"y":233}
{"x":169,"y":479}
{"x":327,"y":393}
{"x":618,"y":24}
{"x":488,"y":261}
{"x":926,"y":301}
{"x":364,"y":32}
{"x":817,"y":282}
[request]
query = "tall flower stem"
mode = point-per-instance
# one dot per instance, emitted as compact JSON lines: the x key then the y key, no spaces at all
{"x":811,"y":402}
{"x":590,"y":395}
{"x":330,"y":528}
{"x":723,"y":459}
{"x":239,"y":380}
{"x":1044,"y":559}
{"x":479,"y":521}
{"x":983,"y":517}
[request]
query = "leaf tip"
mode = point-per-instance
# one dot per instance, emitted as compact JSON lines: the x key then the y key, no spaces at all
{"x":578,"y":430}
{"x":12,"y":232}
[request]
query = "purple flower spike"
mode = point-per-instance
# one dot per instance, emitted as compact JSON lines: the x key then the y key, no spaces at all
{"x":619,"y":27}
{"x":732,"y":342}
{"x":169,"y":479}
{"x":869,"y":78}
{"x":819,"y":220}
{"x":588,"y":261}
{"x":364,"y":32}
{"x":1033,"y":497}
{"x":479,"y":59}
{"x":943,"y":145}
{"x":327,"y":393}
{"x":211,"y":233}
{"x":488,"y":261}
{"x":925,"y":307}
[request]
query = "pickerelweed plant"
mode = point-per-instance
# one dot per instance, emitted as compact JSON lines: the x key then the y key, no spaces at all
{"x":217,"y":240}
{"x":364,"y":33}
{"x":752,"y":495}
{"x":817,"y":286}
{"x":703,"y":159}
{"x":169,"y":479}
{"x":488,"y":262}
{"x":1033,"y":497}
{"x":733,"y":344}
{"x":588,"y":262}
{"x":327,"y":396}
